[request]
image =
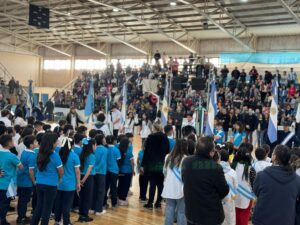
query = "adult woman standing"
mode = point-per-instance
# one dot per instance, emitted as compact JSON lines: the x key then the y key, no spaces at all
{"x":70,"y":182}
{"x":156,"y":149}
{"x":50,"y":170}
{"x":241,"y":164}
{"x":173,"y":186}
{"x":277,"y":189}
{"x":73,"y":117}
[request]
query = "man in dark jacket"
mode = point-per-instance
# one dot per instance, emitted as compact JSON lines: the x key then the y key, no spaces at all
{"x":277,"y":189}
{"x":204,"y":186}
{"x":156,"y":149}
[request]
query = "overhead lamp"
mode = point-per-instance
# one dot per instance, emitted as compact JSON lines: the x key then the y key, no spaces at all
{"x":116,"y":10}
{"x":173,"y":3}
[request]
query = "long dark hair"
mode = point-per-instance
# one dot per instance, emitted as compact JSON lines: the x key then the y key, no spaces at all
{"x":243,"y":156}
{"x":124,"y":144}
{"x":45,"y":150}
{"x":87,"y":149}
{"x":175,"y":157}
{"x":283,"y":156}
{"x":65,"y":150}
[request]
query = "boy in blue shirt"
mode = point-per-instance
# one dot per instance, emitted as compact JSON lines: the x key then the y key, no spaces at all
{"x":8,"y":164}
{"x":170,"y":133}
{"x":219,"y":133}
{"x":26,"y":178}
{"x":78,"y":143}
{"x":143,"y":179}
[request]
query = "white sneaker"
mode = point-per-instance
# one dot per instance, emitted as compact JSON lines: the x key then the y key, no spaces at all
{"x":92,"y":212}
{"x":123,"y":203}
{"x":100,"y":213}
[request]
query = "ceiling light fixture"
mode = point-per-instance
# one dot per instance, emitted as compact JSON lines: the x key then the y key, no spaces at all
{"x":173,"y":3}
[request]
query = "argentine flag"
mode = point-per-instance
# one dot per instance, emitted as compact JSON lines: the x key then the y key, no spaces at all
{"x":89,"y":105}
{"x":165,"y":105}
{"x":272,"y":128}
{"x":29,"y":100}
{"x":212,"y":109}
{"x":124,"y":102}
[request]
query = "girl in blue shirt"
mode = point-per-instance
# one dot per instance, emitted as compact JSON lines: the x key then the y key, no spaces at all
{"x":49,"y":172}
{"x":26,"y":178}
{"x":8,"y":164}
{"x":126,"y":170}
{"x":69,"y":183}
{"x":113,"y":161}
{"x":239,"y":135}
{"x":87,"y":170}
{"x":143,"y":179}
{"x":101,"y":153}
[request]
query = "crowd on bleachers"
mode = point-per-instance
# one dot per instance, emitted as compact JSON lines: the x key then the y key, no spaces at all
{"x":216,"y":179}
{"x":10,"y":93}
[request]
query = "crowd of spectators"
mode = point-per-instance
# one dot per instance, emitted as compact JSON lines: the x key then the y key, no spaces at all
{"x":10,"y":92}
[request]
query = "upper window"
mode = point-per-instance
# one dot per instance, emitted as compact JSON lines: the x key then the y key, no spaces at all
{"x":90,"y":64}
{"x":57,"y":64}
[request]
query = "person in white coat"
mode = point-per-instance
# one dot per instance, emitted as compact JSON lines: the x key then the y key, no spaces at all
{"x":173,"y":185}
{"x":232,"y":181}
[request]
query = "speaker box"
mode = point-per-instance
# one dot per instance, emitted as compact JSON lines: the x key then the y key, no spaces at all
{"x":198,"y":84}
{"x":39,"y":16}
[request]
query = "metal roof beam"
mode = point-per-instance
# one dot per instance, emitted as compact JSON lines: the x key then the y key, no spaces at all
{"x":146,"y":23}
{"x":32,"y":41}
{"x":289,"y":10}
{"x":221,"y":27}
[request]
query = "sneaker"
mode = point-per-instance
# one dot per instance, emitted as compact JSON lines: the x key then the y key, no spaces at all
{"x":157,"y":205}
{"x":123,"y":203}
{"x":83,"y":219}
{"x":100,"y":213}
{"x":148,"y":206}
{"x":92,"y":212}
{"x":75,"y":210}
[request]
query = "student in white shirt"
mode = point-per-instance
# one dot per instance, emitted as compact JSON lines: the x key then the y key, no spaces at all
{"x":21,"y":147}
{"x":5,"y":114}
{"x":116,"y":118}
{"x":190,"y":121}
{"x":146,"y":127}
{"x":173,"y":185}
{"x":129,"y":124}
{"x":101,"y":125}
{"x":260,"y":163}
{"x":19,"y":119}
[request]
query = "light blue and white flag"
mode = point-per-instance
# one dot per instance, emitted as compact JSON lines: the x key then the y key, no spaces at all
{"x":212,"y":109}
{"x":272,"y":128}
{"x":124,"y":102}
{"x":29,"y":100}
{"x":89,"y":105}
{"x":165,"y":105}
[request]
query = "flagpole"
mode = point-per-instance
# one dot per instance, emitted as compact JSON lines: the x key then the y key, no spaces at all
{"x":170,"y":89}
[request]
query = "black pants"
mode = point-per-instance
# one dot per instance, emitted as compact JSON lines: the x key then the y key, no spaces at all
{"x":115,"y":133}
{"x":156,"y":181}
{"x":45,"y":200}
{"x":63,"y":204}
{"x":99,"y":192}
{"x":4,"y":205}
{"x":86,"y":195}
{"x":178,"y":131}
{"x":143,"y":181}
{"x":111,"y":184}
{"x":124,"y":185}
{"x":24,"y":194}
{"x":34,"y":198}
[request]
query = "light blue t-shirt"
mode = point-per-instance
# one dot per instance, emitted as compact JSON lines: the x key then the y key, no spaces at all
{"x":126,"y":166}
{"x":77,"y":149}
{"x":49,"y":176}
{"x":221,"y":134}
{"x":101,"y":154}
{"x":68,"y":182}
{"x":89,"y":161}
{"x":28,"y":160}
{"x":8,"y":163}
{"x":57,"y":149}
{"x":172,"y":143}
{"x":113,"y":156}
{"x":237,"y":138}
{"x":140,"y":156}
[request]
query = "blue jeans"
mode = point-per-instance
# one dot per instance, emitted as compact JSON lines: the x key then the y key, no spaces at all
{"x":175,"y":209}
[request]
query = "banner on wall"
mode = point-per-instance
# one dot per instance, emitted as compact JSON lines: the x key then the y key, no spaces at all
{"x":261,"y":57}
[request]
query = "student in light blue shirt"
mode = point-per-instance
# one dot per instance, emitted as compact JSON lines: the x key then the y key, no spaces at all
{"x":78,"y":143}
{"x":70,"y":182}
{"x":219,"y":133}
{"x":169,"y":131}
{"x":143,"y":179}
{"x":113,"y":161}
{"x":26,"y":178}
{"x":8,"y":164}
{"x":101,"y":153}
{"x":49,"y":172}
{"x":238,"y":136}
{"x":87,"y":170}
{"x":126,"y":170}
